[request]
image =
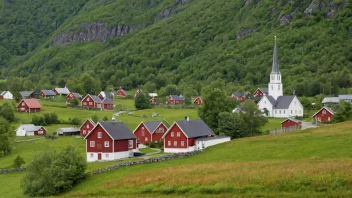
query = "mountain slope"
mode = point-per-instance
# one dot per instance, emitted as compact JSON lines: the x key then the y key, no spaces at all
{"x":131,"y":43}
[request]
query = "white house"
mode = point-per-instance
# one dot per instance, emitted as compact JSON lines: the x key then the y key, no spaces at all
{"x":275,"y":104}
{"x":6,"y":95}
{"x":30,"y":130}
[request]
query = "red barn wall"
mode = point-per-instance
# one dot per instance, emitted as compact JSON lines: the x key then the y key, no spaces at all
{"x":99,"y":141}
{"x":87,"y":127}
{"x":289,"y":123}
{"x":168,"y":138}
{"x":120,"y":93}
{"x":138,"y":133}
{"x":122,"y":145}
{"x":90,"y":103}
{"x":258,"y":93}
{"x":157,"y":136}
{"x":323,"y":117}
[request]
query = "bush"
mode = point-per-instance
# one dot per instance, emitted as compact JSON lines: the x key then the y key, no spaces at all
{"x":76,"y":121}
{"x":18,"y":162}
{"x":157,"y":144}
{"x":58,"y":172}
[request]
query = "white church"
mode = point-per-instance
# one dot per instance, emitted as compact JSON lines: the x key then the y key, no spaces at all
{"x":275,"y":104}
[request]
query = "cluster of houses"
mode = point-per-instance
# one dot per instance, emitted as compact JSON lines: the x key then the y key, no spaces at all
{"x":113,"y":140}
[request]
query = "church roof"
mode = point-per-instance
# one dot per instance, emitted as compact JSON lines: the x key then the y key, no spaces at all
{"x":275,"y":67}
{"x":271,"y":100}
{"x":283,"y":102}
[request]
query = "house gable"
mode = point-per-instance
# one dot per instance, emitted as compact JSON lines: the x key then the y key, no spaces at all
{"x":143,"y":134}
{"x":99,"y":144}
{"x":86,"y":127}
{"x":175,"y":137}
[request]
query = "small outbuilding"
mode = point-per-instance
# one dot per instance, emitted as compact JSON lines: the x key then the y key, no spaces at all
{"x":325,"y":114}
{"x":291,"y":122}
{"x":30,"y":130}
{"x":68,"y":131}
{"x":6,"y":95}
{"x":205,"y":142}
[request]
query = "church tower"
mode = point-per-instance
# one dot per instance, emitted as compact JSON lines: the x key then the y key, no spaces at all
{"x":275,"y":86}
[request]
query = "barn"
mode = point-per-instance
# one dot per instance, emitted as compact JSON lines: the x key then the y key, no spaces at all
{"x":291,"y":122}
{"x":110,"y":141}
{"x":120,"y":92}
{"x":68,"y":131}
{"x":30,"y":130}
{"x":29,"y":105}
{"x":198,"y":101}
{"x":47,"y":93}
{"x":86,"y":127}
{"x":174,"y":99}
{"x":6,"y":95}
{"x":182,"y":135}
{"x":147,"y":132}
{"x":325,"y":114}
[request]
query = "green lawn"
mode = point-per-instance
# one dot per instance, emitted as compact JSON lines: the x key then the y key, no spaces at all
{"x":147,"y":150}
{"x":273,"y":123}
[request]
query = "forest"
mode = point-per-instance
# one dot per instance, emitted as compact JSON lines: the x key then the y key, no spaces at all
{"x":170,"y":46}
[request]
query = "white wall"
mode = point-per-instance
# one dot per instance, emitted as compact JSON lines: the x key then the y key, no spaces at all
{"x":199,"y":144}
{"x":20,"y":132}
{"x":265,"y":103}
{"x":8,"y":95}
{"x":109,"y":156}
{"x":179,"y":150}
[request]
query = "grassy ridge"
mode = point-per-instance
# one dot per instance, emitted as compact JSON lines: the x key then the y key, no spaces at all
{"x":313,"y":162}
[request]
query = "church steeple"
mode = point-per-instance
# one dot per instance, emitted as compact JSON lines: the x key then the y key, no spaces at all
{"x":275,"y":88}
{"x":275,"y":67}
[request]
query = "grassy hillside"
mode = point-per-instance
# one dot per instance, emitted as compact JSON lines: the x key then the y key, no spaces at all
{"x":312,"y":163}
{"x":198,"y":43}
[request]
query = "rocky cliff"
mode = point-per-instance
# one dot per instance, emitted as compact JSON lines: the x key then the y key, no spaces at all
{"x":167,"y":12}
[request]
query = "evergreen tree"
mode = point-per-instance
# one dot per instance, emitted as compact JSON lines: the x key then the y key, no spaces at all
{"x":141,"y":102}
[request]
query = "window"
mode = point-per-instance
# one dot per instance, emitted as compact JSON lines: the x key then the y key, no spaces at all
{"x":264,"y":102}
{"x":23,"y":104}
{"x":280,"y":112}
{"x":84,"y":132}
{"x":90,"y":103}
{"x":175,"y":143}
{"x":324,"y":112}
{"x":91,"y":155}
{"x":319,"y":120}
{"x":169,"y":143}
{"x":295,"y":102}
{"x":299,"y":111}
{"x":291,"y":111}
{"x":130,"y":143}
{"x":161,"y":130}
{"x":278,"y":88}
{"x":275,"y":111}
{"x":88,"y":99}
{"x":284,"y":112}
{"x":272,"y":87}
{"x":92,"y":144}
{"x":172,"y":134}
{"x":178,"y":134}
{"x":146,"y":139}
{"x":295,"y":111}
{"x":99,"y":134}
{"x":278,"y":77}
{"x":272,"y":78}
{"x":106,"y":155}
{"x":87,"y":126}
{"x":142,"y":133}
{"x":142,"y":128}
{"x":329,"y":119}
{"x":106,"y":143}
{"x":84,"y":103}
{"x":182,"y":143}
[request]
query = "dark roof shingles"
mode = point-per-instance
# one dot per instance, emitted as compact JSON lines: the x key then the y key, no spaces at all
{"x":118,"y":130}
{"x":195,"y":128}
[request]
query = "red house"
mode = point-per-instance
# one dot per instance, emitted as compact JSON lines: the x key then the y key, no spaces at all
{"x":174,"y":99}
{"x":154,"y":101}
{"x":260,"y":92}
{"x":47,"y":93}
{"x":121,"y":93}
{"x":291,"y":122}
{"x":137,"y":92}
{"x":325,"y":114}
{"x":73,"y":95}
{"x":86,"y":127}
{"x":110,"y":141}
{"x":182,"y":135}
{"x":147,"y":132}
{"x":198,"y":101}
{"x":29,"y":105}
{"x":107,"y":103}
{"x":241,"y":97}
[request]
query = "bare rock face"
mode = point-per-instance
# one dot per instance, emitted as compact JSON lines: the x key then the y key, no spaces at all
{"x":92,"y":31}
{"x":167,"y":12}
{"x":332,"y":8}
{"x":244,"y":31}
{"x":287,"y":18}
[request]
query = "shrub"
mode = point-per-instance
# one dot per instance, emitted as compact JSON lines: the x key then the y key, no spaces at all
{"x":76,"y":121}
{"x":18,"y":162}
{"x":57,"y":172}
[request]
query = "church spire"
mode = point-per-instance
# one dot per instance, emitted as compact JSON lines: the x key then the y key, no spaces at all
{"x":275,"y":67}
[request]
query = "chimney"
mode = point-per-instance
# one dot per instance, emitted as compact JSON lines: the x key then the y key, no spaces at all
{"x":113,"y":119}
{"x":186,"y":118}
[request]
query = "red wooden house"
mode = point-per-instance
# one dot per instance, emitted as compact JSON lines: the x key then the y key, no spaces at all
{"x":154,"y":101}
{"x":121,"y":93}
{"x":198,"y":101}
{"x":147,"y":132}
{"x":137,"y":92}
{"x":107,"y":103}
{"x":29,"y":105}
{"x":73,"y":95}
{"x":182,"y":135}
{"x":291,"y":122}
{"x":47,"y":93}
{"x":110,"y":141}
{"x":325,"y":114}
{"x":86,"y":127}
{"x":241,"y":97}
{"x":174,"y":99}
{"x":260,"y":92}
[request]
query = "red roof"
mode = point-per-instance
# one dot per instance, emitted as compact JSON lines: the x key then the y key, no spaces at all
{"x":32,"y":103}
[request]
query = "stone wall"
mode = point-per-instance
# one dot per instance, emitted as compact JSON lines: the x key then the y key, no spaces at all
{"x":10,"y":170}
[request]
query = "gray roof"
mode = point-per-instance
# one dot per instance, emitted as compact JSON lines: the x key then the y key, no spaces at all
{"x":151,"y":126}
{"x":345,"y":97}
{"x":29,"y":127}
{"x":4,"y":92}
{"x":212,"y":138}
{"x":95,"y":98}
{"x":283,"y":102}
{"x":62,"y":90}
{"x":49,"y":92}
{"x":117,"y":130}
{"x":195,"y":128}
{"x":271,"y":100}
{"x":264,"y":90}
{"x":238,"y":94}
{"x":275,"y":66}
{"x":26,"y":93}
{"x":330,"y":109}
{"x":330,"y":100}
{"x":107,"y":94}
{"x":67,"y":130}
{"x":77,"y":95}
{"x":107,"y":101}
{"x":293,"y":119}
{"x":176,"y":97}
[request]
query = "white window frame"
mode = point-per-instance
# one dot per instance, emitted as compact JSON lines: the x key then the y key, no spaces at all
{"x":146,"y":139}
{"x":84,"y":131}
{"x":161,"y":130}
{"x":172,"y":134}
{"x":87,"y":126}
{"x":92,"y":143}
{"x":169,"y":143}
{"x":130,"y":143}
{"x":88,"y":99}
{"x":92,"y":155}
{"x":178,"y":134}
{"x":182,"y":143}
{"x":100,"y":134}
{"x":143,"y":133}
{"x":90,"y":103}
{"x":106,"y":144}
{"x":175,"y":143}
{"x":23,"y":104}
{"x":324,"y":112}
{"x":84,"y":103}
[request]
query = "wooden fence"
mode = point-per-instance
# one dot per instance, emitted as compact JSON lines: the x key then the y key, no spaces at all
{"x":285,"y":130}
